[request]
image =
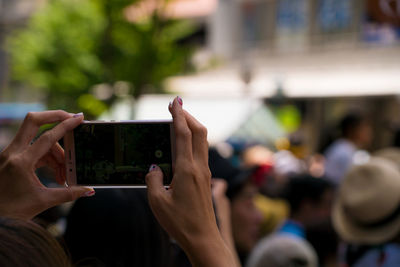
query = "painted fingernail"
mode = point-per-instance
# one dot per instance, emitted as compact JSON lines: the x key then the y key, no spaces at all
{"x":180,"y":101}
{"x":78,"y":115}
{"x":89,"y":193}
{"x":152,"y":167}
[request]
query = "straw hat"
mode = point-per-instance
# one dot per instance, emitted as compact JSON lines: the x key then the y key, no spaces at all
{"x":390,"y":153}
{"x":367,"y":209}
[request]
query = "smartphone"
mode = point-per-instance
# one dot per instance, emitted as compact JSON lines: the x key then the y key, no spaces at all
{"x":118,"y":154}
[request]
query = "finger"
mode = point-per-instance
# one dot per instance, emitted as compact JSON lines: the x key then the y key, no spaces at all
{"x":63,"y":174}
{"x":57,"y":196}
{"x":60,"y":173}
{"x":154,"y":181}
{"x":183,"y":135}
{"x":32,"y":122}
{"x":58,"y":153}
{"x":199,"y":138}
{"x":48,"y":139}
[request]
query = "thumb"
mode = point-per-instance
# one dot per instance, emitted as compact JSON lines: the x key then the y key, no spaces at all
{"x":154,"y":181}
{"x":57,"y":196}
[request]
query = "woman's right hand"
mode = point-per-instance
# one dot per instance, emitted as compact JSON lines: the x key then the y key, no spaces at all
{"x":185,"y":210}
{"x":22,"y":195}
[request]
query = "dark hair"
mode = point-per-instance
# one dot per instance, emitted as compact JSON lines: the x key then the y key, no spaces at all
{"x":118,"y":229}
{"x":24,"y":243}
{"x":323,"y":237}
{"x":305,"y":187}
{"x":235,"y":177}
{"x":350,"y":122}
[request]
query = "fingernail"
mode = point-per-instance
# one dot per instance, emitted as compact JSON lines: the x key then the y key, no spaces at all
{"x":152,"y":167}
{"x":78,"y":115}
{"x":89,"y":193}
{"x":180,"y":101}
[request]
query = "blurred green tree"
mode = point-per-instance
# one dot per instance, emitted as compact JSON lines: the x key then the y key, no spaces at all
{"x":70,"y":47}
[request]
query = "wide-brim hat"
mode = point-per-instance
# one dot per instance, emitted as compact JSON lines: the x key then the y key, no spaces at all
{"x":389,"y":153}
{"x":367,"y":208}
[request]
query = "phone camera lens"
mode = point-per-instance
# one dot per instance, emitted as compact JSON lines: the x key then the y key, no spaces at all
{"x":158,"y":153}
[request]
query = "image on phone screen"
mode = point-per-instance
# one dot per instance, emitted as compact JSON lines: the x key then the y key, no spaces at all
{"x":121,"y":153}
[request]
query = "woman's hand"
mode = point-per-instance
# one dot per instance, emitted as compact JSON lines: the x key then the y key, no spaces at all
{"x":22,"y":195}
{"x":185,"y":210}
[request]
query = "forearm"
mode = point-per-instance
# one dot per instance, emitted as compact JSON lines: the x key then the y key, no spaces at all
{"x":227,"y":236}
{"x":225,"y":229}
{"x":211,"y":250}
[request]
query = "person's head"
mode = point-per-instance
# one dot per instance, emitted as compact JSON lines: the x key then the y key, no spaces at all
{"x":24,"y":243}
{"x":310,"y":199}
{"x":356,"y":128}
{"x":282,"y":251}
{"x":257,"y":155}
{"x":246,"y":218}
{"x":325,"y":241}
{"x":367,"y":209}
{"x":118,"y":228}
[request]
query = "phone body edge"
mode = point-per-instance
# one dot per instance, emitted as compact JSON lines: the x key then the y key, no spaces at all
{"x":69,"y":150}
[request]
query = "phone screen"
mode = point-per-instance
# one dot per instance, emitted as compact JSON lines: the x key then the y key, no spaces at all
{"x":121,"y":153}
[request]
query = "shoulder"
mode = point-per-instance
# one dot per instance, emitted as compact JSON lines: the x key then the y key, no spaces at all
{"x":341,"y":149}
{"x":372,"y":258}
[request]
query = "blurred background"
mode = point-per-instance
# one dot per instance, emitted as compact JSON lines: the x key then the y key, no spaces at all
{"x":285,"y":88}
{"x":270,"y":72}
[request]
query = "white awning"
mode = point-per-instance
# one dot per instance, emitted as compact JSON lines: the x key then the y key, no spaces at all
{"x":365,"y":72}
{"x":221,"y":116}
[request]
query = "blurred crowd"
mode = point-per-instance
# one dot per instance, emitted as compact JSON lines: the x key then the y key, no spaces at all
{"x":275,"y":207}
{"x":337,"y":208}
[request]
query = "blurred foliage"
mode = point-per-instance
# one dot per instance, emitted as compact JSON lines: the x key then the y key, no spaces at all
{"x":289,"y":117}
{"x":69,"y":46}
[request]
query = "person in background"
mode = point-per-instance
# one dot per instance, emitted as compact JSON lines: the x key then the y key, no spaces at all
{"x":257,"y":155}
{"x":274,"y":209}
{"x":245,"y":217}
{"x":122,"y":231}
{"x":310,"y":201}
{"x":24,"y":243}
{"x":185,"y":211}
{"x":282,"y":251}
{"x":366,"y":215}
{"x":223,"y":214}
{"x":324,"y":239}
{"x":356,"y":133}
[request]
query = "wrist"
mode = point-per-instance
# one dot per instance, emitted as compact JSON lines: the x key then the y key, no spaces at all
{"x":208,"y":250}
